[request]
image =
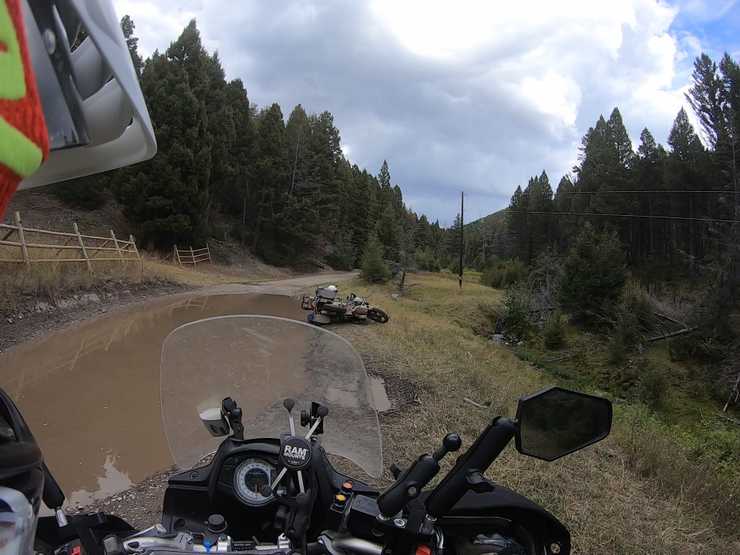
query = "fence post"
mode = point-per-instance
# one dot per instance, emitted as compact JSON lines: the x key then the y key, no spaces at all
{"x":177,"y":256}
{"x":136,"y":252}
{"x":24,"y":248}
{"x":115,"y":242}
{"x":82,"y":247}
{"x":208,"y":249}
{"x":192,"y":256}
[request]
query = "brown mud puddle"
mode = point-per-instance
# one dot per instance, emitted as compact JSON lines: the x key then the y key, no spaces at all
{"x":91,"y":393}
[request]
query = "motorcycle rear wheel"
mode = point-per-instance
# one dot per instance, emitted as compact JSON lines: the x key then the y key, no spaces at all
{"x":378,"y":315}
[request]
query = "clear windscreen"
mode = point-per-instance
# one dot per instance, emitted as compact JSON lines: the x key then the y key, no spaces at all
{"x":259,"y":361}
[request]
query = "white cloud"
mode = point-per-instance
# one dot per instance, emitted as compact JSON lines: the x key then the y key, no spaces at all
{"x":469,"y":94}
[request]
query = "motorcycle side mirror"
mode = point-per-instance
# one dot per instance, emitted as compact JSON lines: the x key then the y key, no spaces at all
{"x":215,"y":422}
{"x":556,"y":422}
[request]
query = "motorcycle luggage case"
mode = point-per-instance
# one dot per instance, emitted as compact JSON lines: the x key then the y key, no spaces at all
{"x":326,"y":293}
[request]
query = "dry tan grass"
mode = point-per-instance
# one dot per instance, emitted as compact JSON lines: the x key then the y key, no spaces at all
{"x":51,"y":280}
{"x":608,"y":506}
{"x":199,"y":276}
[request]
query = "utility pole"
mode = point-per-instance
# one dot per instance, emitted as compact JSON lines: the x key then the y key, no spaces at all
{"x":462,"y":235}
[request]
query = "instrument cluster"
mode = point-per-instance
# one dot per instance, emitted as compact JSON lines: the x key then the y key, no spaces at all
{"x":247,"y":476}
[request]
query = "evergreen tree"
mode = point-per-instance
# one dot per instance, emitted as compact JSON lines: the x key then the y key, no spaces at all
{"x":563,"y":202}
{"x":297,"y":135}
{"x":518,"y":224}
{"x":594,"y":275}
{"x":374,"y":269}
{"x":224,"y":168}
{"x":539,"y":206}
{"x":649,"y":168}
{"x":684,"y":173}
{"x":132,"y":42}
{"x":166,"y":198}
{"x":389,"y":233}
{"x":271,"y":179}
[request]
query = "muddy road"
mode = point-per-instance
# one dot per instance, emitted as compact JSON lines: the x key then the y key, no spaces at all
{"x":90,"y":392}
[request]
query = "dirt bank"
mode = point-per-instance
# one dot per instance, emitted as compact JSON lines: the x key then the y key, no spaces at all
{"x":36,"y":317}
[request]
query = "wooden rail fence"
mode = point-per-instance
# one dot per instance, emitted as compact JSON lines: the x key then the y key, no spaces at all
{"x":67,"y":247}
{"x":191,"y":255}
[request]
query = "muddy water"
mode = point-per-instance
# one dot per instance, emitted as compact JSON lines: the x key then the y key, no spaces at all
{"x":380,"y":395}
{"x":91,"y":393}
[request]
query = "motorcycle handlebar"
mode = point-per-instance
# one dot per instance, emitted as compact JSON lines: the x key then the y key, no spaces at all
{"x":468,"y":471}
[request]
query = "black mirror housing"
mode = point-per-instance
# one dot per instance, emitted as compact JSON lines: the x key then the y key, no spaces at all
{"x":556,"y":422}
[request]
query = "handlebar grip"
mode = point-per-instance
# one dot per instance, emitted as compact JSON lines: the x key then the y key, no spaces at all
{"x":408,"y":485}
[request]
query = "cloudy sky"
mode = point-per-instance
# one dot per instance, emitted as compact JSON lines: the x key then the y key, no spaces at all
{"x":472,"y":94}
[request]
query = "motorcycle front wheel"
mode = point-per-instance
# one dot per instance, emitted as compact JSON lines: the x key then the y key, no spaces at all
{"x":378,"y":315}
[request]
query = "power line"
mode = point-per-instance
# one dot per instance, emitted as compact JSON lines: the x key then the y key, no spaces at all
{"x":651,"y":191}
{"x":638,"y":216}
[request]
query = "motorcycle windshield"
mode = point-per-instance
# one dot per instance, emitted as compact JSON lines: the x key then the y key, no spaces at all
{"x":259,"y":361}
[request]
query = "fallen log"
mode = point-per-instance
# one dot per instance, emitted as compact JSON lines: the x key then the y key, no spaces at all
{"x":671,"y":334}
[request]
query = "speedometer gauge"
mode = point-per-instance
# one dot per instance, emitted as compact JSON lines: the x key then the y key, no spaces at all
{"x":249,"y":478}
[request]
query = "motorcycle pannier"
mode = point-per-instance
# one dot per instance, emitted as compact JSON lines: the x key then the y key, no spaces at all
{"x":326,"y":293}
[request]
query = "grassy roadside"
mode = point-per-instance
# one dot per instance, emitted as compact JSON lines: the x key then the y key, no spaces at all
{"x":50,"y":282}
{"x":610,"y":496}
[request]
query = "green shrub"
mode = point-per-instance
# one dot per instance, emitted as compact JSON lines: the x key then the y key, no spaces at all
{"x":554,"y":331}
{"x":625,"y":335}
{"x":427,"y":261}
{"x":374,"y":269}
{"x":714,"y":336}
{"x":594,"y":275}
{"x":652,"y":386}
{"x":517,"y":315}
{"x":616,"y":350}
{"x":342,"y":256}
{"x":636,"y":301}
{"x":87,"y":193}
{"x":502,"y":273}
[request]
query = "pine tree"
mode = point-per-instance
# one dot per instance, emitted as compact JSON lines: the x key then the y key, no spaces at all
{"x":374,"y":269}
{"x":518,"y":224}
{"x":563,"y":202}
{"x":707,"y":98}
{"x":594,"y":275}
{"x":296,"y":136}
{"x":539,"y":199}
{"x":423,"y":233}
{"x":270,"y":179}
{"x":223,"y":167}
{"x":165,"y":199}
{"x":649,"y":168}
{"x":132,"y":42}
{"x":389,"y":233}
{"x":683,"y":172}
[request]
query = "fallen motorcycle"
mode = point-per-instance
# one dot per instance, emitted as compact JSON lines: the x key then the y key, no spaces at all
{"x":326,"y":308}
{"x":265,"y":478}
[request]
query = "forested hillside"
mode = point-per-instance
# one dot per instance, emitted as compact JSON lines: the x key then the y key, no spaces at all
{"x":276,"y":182}
{"x":672,"y":207}
{"x":632,"y":263}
